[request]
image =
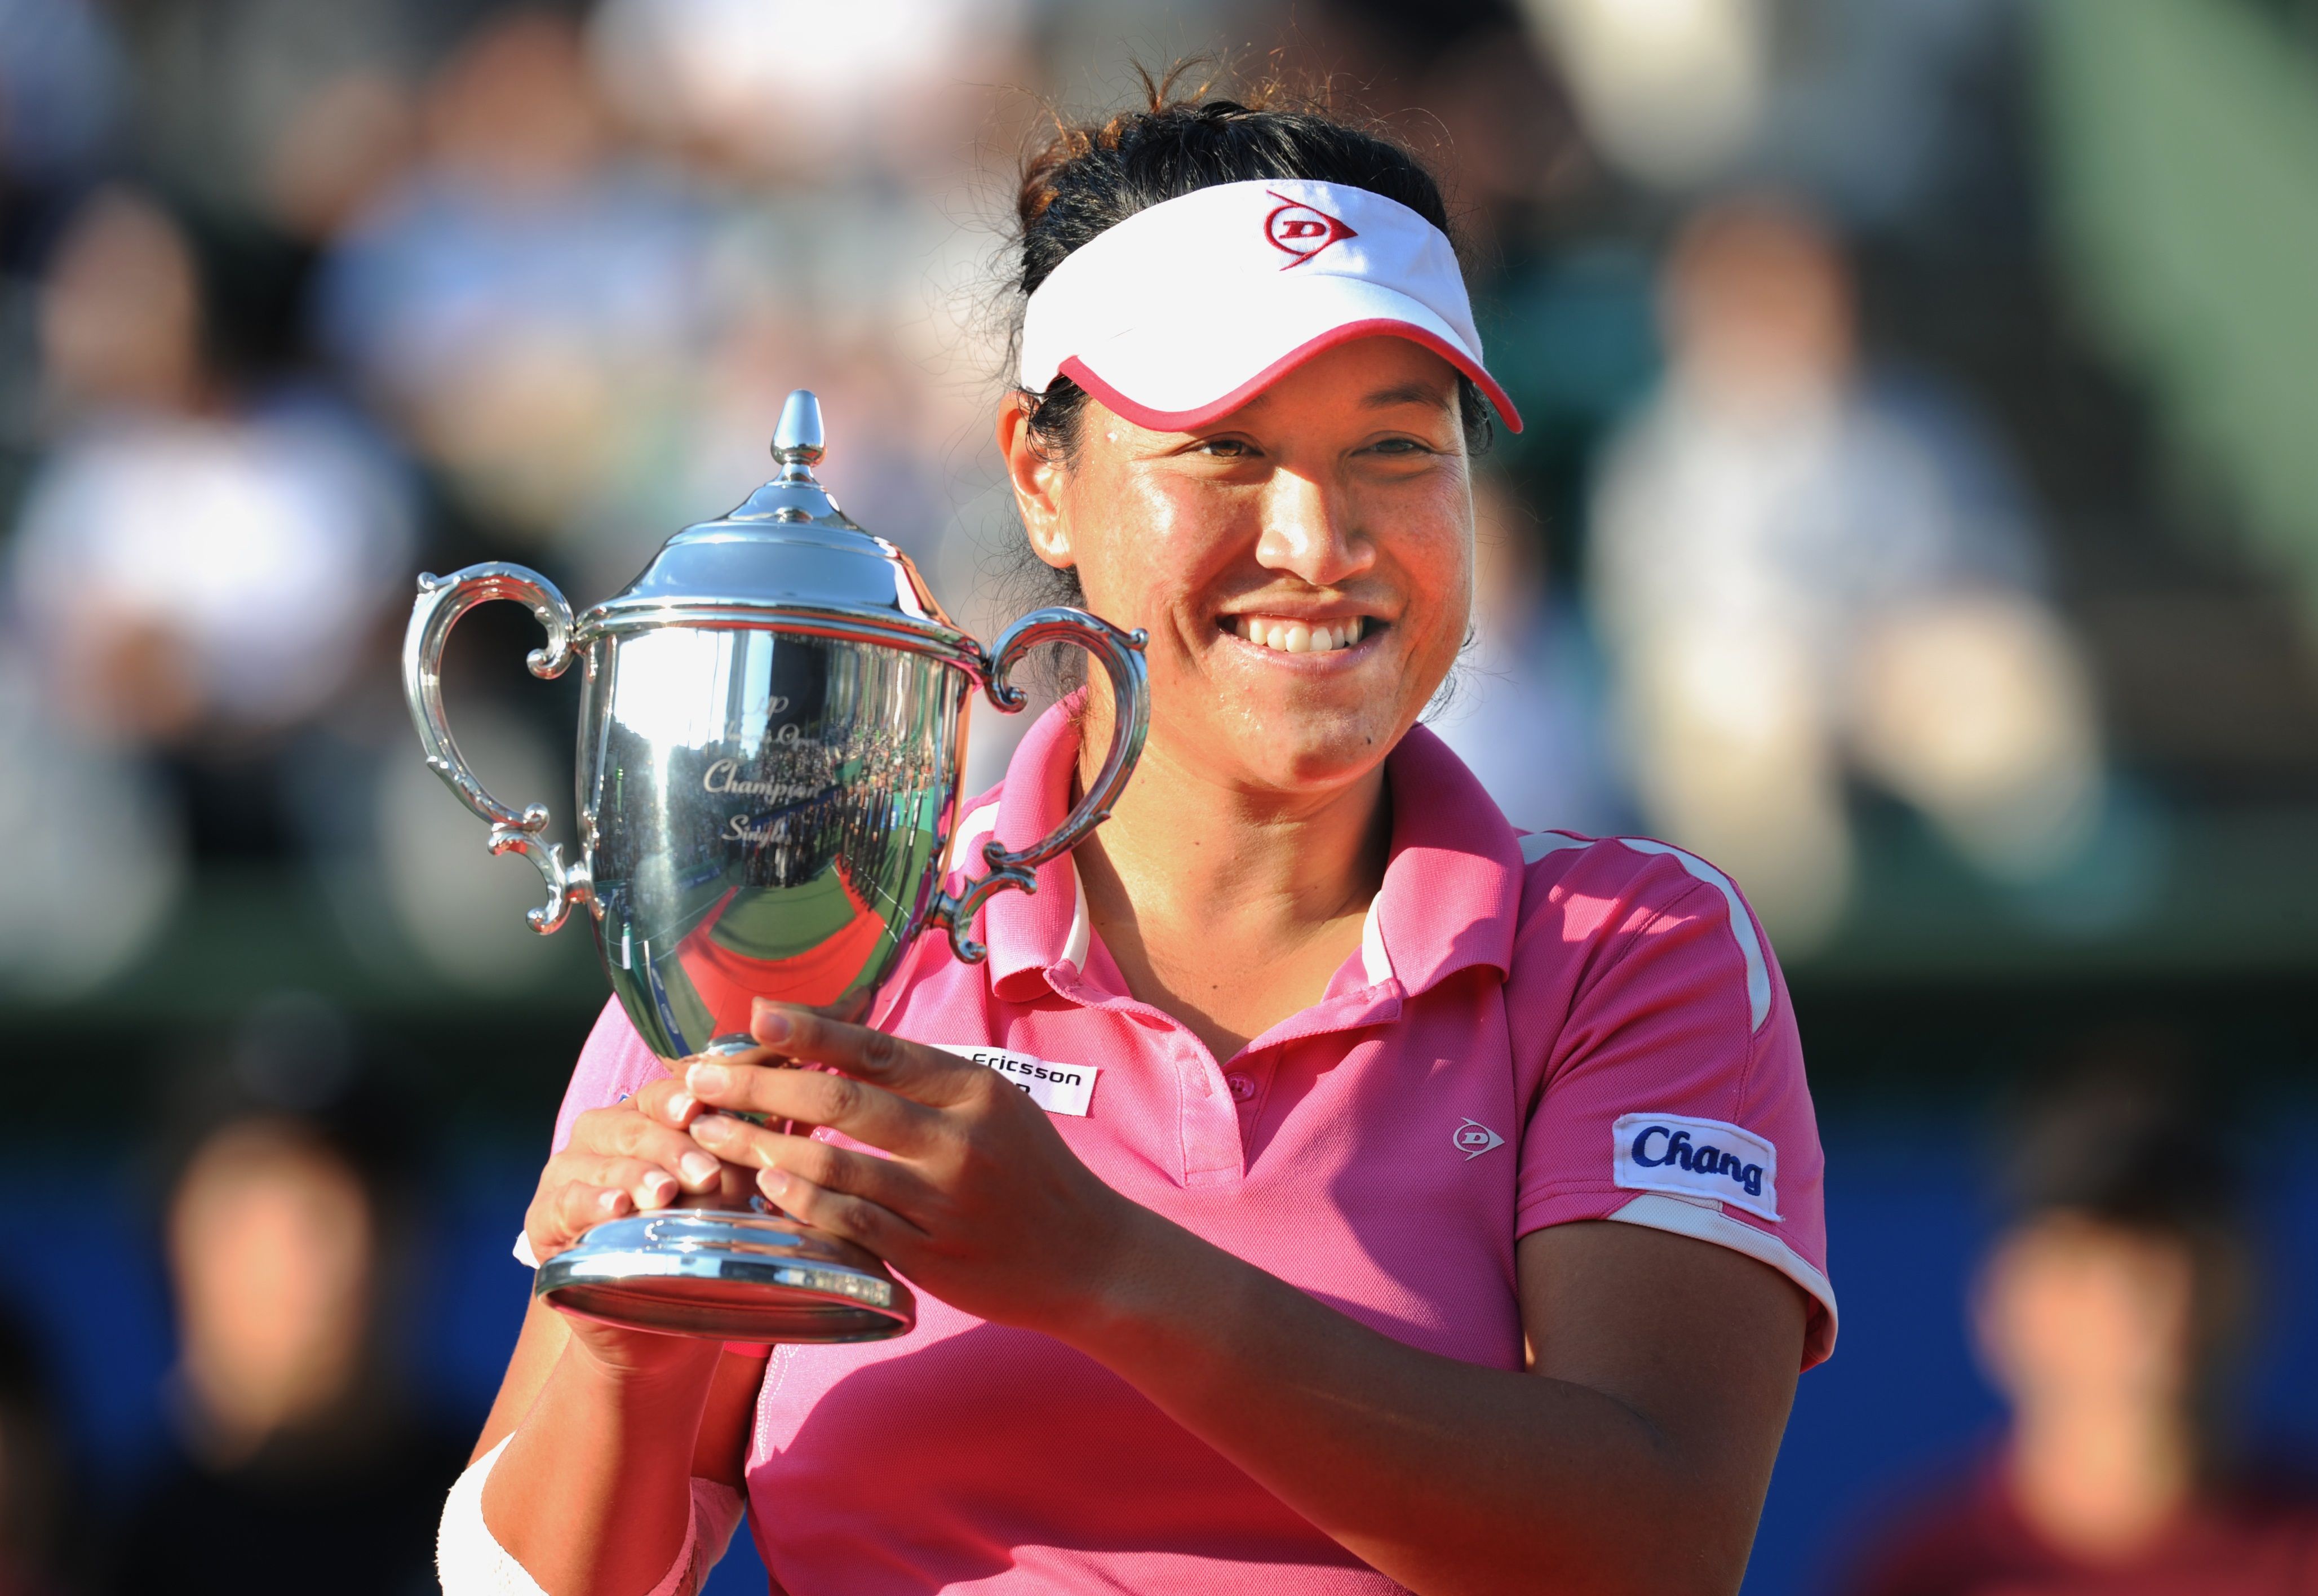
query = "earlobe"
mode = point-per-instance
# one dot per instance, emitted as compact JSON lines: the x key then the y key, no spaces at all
{"x":1050,"y":541}
{"x":1037,"y":481}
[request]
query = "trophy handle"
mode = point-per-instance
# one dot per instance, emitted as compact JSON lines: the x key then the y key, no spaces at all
{"x":442,"y":600}
{"x":1121,"y":657}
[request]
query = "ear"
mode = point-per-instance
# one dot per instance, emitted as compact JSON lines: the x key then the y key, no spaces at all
{"x":1037,"y":484}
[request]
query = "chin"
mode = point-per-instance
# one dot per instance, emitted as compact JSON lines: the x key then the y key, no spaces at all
{"x":1301,"y":753}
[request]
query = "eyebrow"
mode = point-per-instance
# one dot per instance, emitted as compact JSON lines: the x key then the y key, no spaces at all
{"x":1403,"y":393}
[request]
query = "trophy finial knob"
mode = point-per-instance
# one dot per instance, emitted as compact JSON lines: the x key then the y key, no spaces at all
{"x":796,"y":439}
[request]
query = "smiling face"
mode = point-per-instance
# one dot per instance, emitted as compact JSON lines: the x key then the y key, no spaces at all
{"x":1303,"y":565}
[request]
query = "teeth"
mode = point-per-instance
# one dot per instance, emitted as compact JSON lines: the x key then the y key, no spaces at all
{"x":1299,"y":637}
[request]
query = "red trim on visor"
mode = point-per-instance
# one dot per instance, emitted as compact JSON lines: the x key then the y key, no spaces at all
{"x":1142,"y":415}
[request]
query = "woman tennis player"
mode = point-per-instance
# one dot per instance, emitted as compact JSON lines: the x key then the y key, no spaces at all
{"x":1445,"y":1212}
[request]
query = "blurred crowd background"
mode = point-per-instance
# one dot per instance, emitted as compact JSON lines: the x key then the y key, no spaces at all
{"x":1918,"y":517}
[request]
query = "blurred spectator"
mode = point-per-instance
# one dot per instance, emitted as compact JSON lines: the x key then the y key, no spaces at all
{"x":1670,"y":91}
{"x":36,"y":1525}
{"x":524,"y":301}
{"x":194,"y":578}
{"x":1794,"y":571}
{"x":112,"y":856}
{"x":59,"y":87}
{"x":194,"y":570}
{"x":2109,"y":1313}
{"x":811,"y":93}
{"x":1524,"y":708}
{"x":294,"y":1452}
{"x":274,"y":111}
{"x":187,"y":572}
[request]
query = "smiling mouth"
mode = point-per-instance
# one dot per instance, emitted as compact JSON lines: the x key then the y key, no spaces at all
{"x":1284,"y":636}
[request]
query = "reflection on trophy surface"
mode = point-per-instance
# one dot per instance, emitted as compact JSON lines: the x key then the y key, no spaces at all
{"x":771,"y":733}
{"x":768,"y":831}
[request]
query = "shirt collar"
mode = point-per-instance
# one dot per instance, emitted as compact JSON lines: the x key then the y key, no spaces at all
{"x":1029,"y":934}
{"x":1451,"y":888}
{"x":1452,"y":882}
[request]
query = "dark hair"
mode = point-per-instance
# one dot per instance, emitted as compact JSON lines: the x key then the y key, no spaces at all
{"x":1089,"y":177}
{"x":2131,"y":1145}
{"x":295,"y":1062}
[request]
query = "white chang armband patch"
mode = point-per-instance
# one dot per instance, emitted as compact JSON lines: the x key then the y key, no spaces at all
{"x":1058,"y":1088}
{"x":1697,"y":1158}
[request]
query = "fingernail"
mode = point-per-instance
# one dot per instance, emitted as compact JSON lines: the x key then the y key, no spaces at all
{"x":713,"y":1128}
{"x":611,"y":1200}
{"x":698,"y":1167}
{"x":773,"y":1027}
{"x":705,"y":1079}
{"x":681,"y":1105}
{"x":772,"y":1183}
{"x":659,"y":1190}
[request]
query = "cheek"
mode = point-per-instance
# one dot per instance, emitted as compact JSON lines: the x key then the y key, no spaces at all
{"x":1145,"y":550}
{"x":1437,"y":573}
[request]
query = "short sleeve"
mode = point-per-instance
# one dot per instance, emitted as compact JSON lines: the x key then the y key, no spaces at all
{"x":1672,"y":1095}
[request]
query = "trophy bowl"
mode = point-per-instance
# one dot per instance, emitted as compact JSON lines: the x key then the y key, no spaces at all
{"x":771,"y":736}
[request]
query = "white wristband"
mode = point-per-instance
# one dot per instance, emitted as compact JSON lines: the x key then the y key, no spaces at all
{"x":470,"y":1562}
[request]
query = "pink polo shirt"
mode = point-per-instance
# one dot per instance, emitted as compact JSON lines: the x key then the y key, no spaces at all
{"x":1536,"y":1029}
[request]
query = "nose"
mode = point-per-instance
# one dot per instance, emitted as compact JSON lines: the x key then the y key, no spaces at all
{"x":1310,"y":533}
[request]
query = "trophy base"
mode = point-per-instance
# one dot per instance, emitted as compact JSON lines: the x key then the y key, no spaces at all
{"x":726,"y":1276}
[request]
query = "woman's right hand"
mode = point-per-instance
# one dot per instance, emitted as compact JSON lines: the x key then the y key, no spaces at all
{"x":634,"y":1156}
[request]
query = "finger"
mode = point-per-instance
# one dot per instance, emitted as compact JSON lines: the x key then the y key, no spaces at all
{"x":648,"y":1185}
{"x":865,"y":1112}
{"x":841,"y":1214}
{"x":666,"y":1102}
{"x":574,"y":1210}
{"x":922,"y":1074}
{"x":645,"y":1185}
{"x":882,"y":1180}
{"x":624,"y":1132}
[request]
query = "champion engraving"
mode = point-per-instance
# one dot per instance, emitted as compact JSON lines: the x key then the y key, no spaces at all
{"x":1473,"y":1139}
{"x":1701,"y":1158}
{"x":725,"y":777}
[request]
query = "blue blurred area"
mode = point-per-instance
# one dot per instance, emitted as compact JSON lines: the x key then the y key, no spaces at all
{"x":1901,"y":1395}
{"x":1898,"y":1402}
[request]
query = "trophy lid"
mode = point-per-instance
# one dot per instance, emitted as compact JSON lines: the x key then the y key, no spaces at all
{"x":787,"y":558}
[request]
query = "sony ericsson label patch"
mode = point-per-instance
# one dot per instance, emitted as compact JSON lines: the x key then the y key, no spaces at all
{"x":1706,"y":1158}
{"x":1058,"y":1088}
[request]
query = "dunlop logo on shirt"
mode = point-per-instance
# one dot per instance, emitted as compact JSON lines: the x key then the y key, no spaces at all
{"x":1707,"y":1158}
{"x":1058,"y":1088}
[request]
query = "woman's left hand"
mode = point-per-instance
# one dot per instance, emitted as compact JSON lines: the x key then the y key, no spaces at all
{"x":981,"y":1202}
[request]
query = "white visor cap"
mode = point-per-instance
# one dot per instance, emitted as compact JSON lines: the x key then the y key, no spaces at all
{"x":1186,"y":311}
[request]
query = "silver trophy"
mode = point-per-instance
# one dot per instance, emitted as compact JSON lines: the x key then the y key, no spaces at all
{"x":771,"y":730}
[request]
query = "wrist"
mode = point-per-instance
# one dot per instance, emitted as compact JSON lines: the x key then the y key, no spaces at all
{"x":640,"y":1366}
{"x":1135,"y":1276}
